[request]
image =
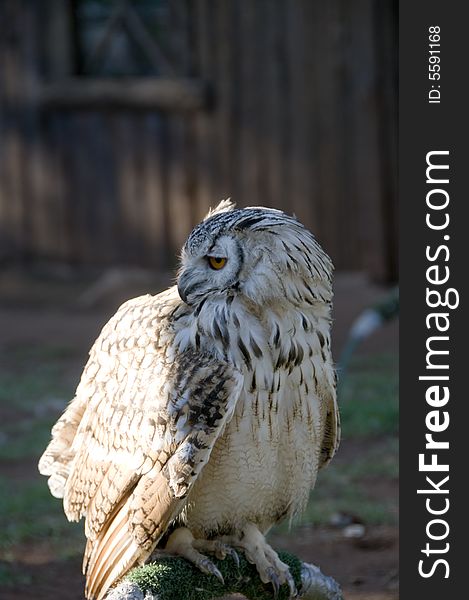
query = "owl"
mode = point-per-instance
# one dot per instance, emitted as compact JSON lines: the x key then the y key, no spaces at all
{"x":204,"y":412}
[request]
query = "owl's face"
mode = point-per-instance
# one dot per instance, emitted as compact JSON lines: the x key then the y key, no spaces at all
{"x":211,"y":267}
{"x":260,"y":253}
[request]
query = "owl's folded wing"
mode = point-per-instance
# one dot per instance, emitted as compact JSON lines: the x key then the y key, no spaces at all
{"x":138,"y":433}
{"x":331,"y":415}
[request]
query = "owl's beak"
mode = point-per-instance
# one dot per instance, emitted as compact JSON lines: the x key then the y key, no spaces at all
{"x":182,"y":293}
{"x":187,"y":286}
{"x":183,"y":286}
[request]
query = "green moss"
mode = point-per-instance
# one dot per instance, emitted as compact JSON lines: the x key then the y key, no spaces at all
{"x":176,"y":579}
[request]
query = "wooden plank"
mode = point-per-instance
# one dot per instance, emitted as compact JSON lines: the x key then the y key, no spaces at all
{"x":57,"y":38}
{"x":203,"y":166}
{"x":385,"y":24}
{"x":12,"y":193}
{"x":247,"y":159}
{"x":13,"y":132}
{"x":100,"y":187}
{"x":223,"y":80}
{"x":235,"y":106}
{"x":179,"y":197}
{"x":6,"y":242}
{"x":39,"y":182}
{"x":129,"y":93}
{"x":227,"y":84}
{"x":78,"y":196}
{"x":44,"y":197}
{"x":33,"y":213}
{"x":26,"y":125}
{"x":327,"y":128}
{"x":77,"y":174}
{"x":301,"y":115}
{"x":87,"y":222}
{"x":182,"y":166}
{"x":155,"y":192}
{"x":349,"y":254}
{"x":264,"y":101}
{"x":128,"y":190}
{"x":52,"y":226}
{"x":274,"y":117}
{"x":186,"y":174}
{"x":366,"y":152}
{"x":342,"y":216}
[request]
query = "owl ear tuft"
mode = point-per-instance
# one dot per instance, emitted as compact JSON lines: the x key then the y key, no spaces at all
{"x":224,"y":206}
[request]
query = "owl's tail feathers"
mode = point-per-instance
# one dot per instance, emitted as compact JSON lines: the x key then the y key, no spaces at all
{"x":129,"y":533}
{"x":111,"y":554}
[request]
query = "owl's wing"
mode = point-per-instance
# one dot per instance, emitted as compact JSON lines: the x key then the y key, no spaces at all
{"x":331,"y":436}
{"x":138,"y":433}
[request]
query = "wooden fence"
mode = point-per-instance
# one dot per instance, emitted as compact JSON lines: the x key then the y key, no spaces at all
{"x":284,"y":103}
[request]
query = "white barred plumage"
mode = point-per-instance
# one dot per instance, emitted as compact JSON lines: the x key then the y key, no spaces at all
{"x":204,"y":413}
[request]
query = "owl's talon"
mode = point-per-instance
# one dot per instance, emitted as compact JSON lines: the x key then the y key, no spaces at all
{"x":274,"y":580}
{"x":219,"y":549}
{"x":234,"y":556}
{"x":222,"y":550}
{"x":207,"y":567}
{"x":258,"y":552}
{"x":292,"y":586}
{"x":182,"y":543}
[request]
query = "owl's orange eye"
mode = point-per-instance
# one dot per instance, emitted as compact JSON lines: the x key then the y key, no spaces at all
{"x":216,"y":262}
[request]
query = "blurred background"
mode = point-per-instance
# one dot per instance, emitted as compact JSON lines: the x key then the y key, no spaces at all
{"x":121,"y":122}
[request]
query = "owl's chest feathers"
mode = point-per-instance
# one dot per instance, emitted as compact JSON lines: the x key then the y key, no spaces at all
{"x":282,"y":355}
{"x":264,"y":464}
{"x":245,"y":336}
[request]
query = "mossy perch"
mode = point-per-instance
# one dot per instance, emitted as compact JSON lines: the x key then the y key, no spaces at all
{"x":173,"y":578}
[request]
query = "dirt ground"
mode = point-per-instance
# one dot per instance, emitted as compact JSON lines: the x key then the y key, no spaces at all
{"x":40,"y":311}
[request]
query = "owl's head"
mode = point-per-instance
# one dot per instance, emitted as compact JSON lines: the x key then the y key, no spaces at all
{"x":259,"y":253}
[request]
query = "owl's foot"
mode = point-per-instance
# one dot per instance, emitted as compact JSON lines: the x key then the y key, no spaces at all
{"x":182,"y":543}
{"x":258,"y":552}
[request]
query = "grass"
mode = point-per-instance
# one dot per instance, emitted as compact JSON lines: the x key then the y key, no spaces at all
{"x":34,"y":388}
{"x":368,"y":397}
{"x":28,"y":513}
{"x":12,"y":576}
{"x":33,"y":392}
{"x":349,"y":487}
{"x":35,"y":375}
{"x":26,"y":438}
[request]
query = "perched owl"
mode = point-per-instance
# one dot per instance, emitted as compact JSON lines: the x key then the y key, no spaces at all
{"x":204,"y":413}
